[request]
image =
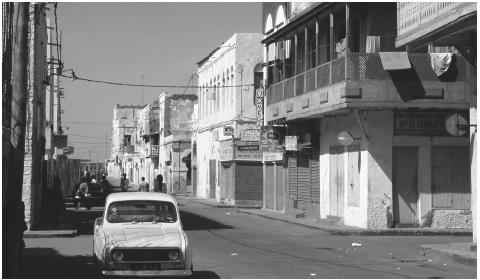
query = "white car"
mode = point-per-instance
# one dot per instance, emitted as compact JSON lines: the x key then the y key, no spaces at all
{"x":140,"y":234}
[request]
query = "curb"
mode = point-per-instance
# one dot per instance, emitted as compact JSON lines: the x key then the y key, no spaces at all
{"x":449,"y":254}
{"x":367,"y":232}
{"x":49,"y":233}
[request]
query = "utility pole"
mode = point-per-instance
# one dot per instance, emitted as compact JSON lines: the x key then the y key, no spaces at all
{"x":14,"y":212}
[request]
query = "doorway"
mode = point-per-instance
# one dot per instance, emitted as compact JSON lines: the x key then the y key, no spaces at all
{"x":405,"y":186}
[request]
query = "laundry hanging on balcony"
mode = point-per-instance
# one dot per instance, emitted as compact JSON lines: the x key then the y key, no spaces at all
{"x":395,"y":60}
{"x":372,"y":44}
{"x":340,"y":48}
{"x":440,"y":62}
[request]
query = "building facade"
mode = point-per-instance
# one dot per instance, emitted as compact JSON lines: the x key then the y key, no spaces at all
{"x":175,"y":130}
{"x":124,"y":132}
{"x":226,"y":170}
{"x":376,"y":143}
{"x":447,"y":27}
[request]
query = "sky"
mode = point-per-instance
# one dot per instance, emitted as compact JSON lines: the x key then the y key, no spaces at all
{"x":120,"y":41}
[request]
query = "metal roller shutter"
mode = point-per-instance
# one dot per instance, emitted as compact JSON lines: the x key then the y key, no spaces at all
{"x":249,"y":181}
{"x":292,"y":177}
{"x":315,"y":176}
{"x":303,"y":177}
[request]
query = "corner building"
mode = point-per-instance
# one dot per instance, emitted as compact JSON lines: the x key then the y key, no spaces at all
{"x":334,"y":68}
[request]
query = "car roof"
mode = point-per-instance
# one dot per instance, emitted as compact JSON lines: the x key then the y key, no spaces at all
{"x":123,"y":196}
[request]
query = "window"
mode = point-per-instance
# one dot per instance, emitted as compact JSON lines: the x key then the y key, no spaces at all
{"x":270,"y":62}
{"x":289,"y":55}
{"x":279,"y":59}
{"x":300,"y":62}
{"x":323,"y":47}
{"x":311,"y":45}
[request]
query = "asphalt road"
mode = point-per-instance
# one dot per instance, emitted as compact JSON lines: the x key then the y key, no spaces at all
{"x":227,"y":244}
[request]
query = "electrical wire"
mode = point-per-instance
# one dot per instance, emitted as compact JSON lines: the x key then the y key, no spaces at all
{"x":74,"y":77}
{"x":84,"y":136}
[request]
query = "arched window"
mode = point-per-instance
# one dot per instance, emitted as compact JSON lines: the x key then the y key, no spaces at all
{"x":268,"y":24}
{"x":280,"y":18}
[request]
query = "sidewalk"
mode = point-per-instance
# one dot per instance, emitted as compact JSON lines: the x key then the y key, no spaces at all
{"x":327,"y":225}
{"x":46,"y":229}
{"x":464,"y":253}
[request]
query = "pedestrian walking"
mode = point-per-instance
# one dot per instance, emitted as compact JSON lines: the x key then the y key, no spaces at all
{"x":160,"y":183}
{"x":82,"y":192}
{"x":124,"y":182}
{"x":144,"y":186}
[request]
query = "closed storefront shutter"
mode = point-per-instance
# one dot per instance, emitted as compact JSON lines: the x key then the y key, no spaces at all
{"x":303,"y":177}
{"x":292,"y":175}
{"x":315,"y":176}
{"x":249,"y":181}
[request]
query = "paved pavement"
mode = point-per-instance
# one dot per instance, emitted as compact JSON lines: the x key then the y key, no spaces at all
{"x":229,"y":244}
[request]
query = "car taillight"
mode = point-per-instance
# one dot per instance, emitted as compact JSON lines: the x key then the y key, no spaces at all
{"x":117,"y":255}
{"x":173,"y":255}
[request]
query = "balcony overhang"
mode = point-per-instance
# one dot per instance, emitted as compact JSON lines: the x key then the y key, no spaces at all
{"x":442,"y":29}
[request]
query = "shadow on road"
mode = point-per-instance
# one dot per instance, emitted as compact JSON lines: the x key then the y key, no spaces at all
{"x":193,"y":221}
{"x":205,"y":275}
{"x":48,"y":263}
{"x":84,"y":220}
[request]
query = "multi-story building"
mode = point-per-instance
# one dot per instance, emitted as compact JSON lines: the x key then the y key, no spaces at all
{"x":124,"y":131}
{"x":375,"y":127}
{"x":226,"y":106}
{"x":146,"y":144}
{"x":175,"y":130}
{"x":450,"y":26}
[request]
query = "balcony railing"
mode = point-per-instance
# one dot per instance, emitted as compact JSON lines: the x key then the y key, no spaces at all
{"x":411,"y":15}
{"x":152,"y":151}
{"x":360,"y":67}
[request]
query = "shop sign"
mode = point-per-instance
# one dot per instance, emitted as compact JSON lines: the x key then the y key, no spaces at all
{"x":267,"y":156}
{"x":259,"y":97}
{"x":427,"y":123}
{"x":68,"y":150}
{"x":243,"y":151}
{"x":252,"y":135}
{"x":272,"y":139}
{"x":291,"y":143}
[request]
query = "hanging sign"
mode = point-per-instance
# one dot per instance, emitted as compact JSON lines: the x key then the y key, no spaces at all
{"x":291,"y":143}
{"x":227,"y":131}
{"x":259,"y":97}
{"x":272,"y":139}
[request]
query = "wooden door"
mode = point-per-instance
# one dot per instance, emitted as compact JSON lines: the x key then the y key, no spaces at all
{"x":405,"y":186}
{"x":336,"y":181}
{"x":450,"y":177}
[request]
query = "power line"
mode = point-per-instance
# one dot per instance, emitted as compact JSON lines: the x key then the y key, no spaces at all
{"x":84,"y":136}
{"x":74,"y":77}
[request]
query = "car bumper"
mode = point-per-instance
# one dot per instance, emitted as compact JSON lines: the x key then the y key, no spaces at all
{"x":181,"y":272}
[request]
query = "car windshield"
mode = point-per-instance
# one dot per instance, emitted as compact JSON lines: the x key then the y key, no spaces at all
{"x":141,"y":211}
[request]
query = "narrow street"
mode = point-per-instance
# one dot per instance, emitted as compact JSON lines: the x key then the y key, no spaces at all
{"x":227,"y":244}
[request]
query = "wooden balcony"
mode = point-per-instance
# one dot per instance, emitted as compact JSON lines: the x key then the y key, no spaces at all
{"x":360,"y":80}
{"x":418,"y":19}
{"x":152,"y":151}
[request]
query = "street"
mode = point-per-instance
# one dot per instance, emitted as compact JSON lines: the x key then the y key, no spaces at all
{"x":227,"y":244}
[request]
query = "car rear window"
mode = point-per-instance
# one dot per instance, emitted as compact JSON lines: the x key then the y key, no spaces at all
{"x":141,"y":211}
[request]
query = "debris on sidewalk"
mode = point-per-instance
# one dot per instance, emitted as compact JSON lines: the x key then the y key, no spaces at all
{"x":356,"y":244}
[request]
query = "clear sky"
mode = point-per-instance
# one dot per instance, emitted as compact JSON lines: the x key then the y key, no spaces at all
{"x":119,"y":41}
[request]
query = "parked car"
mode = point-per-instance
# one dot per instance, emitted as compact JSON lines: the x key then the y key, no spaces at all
{"x":95,"y":196}
{"x":141,"y":234}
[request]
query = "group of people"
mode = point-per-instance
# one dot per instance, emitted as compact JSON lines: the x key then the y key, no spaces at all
{"x":144,"y":185}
